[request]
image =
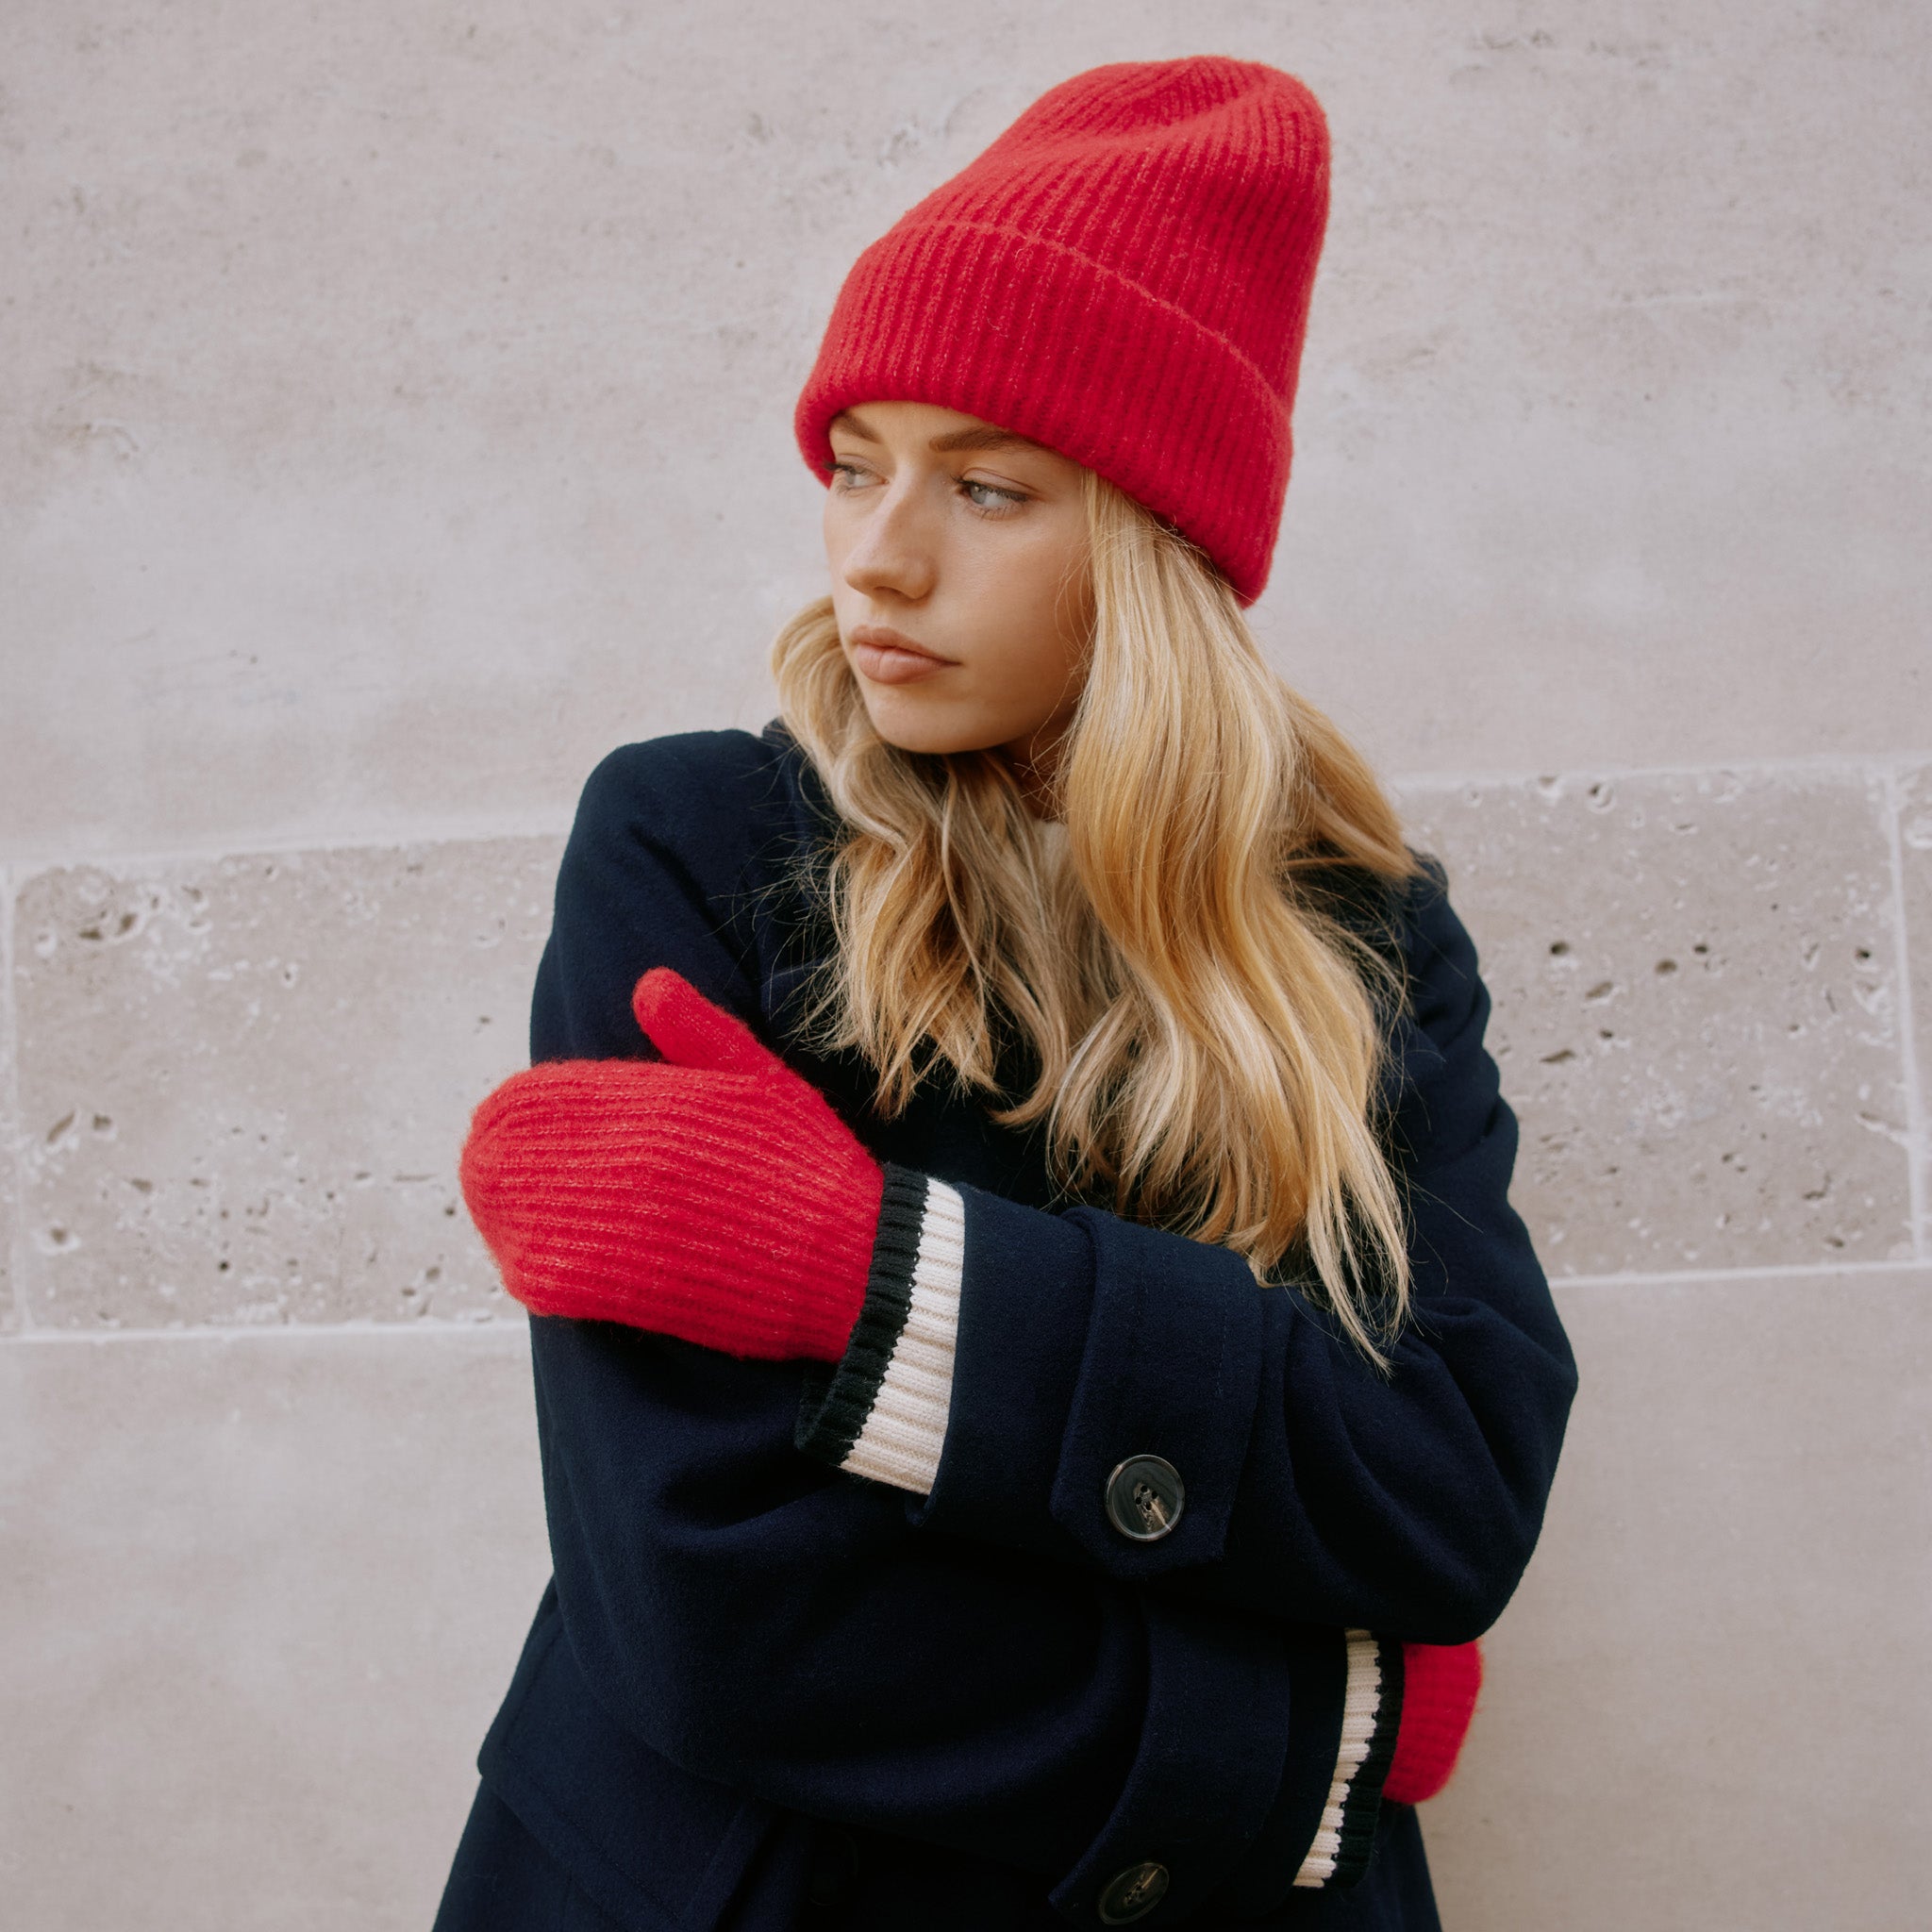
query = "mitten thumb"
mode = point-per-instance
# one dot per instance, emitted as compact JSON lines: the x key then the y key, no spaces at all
{"x":689,"y":1031}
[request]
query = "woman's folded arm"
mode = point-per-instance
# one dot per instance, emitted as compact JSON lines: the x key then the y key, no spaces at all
{"x":1014,"y":1370}
{"x":1032,"y":1378}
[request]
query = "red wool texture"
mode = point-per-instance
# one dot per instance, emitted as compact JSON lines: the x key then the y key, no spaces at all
{"x":1124,"y":275}
{"x":1439,"y":1691}
{"x":713,"y":1195}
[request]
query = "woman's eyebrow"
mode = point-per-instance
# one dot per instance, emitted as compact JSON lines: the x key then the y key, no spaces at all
{"x":987,"y":436}
{"x":983,"y":436}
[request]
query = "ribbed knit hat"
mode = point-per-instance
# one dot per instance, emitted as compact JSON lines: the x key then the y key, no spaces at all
{"x":1124,"y":276}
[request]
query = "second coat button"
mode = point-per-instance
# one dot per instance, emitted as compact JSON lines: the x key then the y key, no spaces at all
{"x":1145,"y":1497}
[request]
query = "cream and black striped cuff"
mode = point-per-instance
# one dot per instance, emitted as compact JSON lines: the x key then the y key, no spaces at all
{"x":880,"y":1410}
{"x":1370,"y":1716}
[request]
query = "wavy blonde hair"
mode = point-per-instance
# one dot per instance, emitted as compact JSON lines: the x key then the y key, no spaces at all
{"x":1202,"y":1030}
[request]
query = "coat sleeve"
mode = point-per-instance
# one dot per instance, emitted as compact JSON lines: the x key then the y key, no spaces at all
{"x":1010,"y":1359}
{"x":764,"y":1621}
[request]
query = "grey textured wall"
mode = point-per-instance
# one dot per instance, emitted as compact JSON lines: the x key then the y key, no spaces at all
{"x":397,"y":408}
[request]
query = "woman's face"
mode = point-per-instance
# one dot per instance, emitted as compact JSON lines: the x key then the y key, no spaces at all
{"x":959,"y":557}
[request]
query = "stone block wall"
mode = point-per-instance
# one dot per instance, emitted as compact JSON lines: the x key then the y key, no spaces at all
{"x":402,"y":421}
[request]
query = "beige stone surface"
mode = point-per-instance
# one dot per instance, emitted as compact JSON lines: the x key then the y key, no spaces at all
{"x":1696,"y":1012}
{"x":9,"y":1124}
{"x":261,"y":1596}
{"x":9,"y":1221}
{"x":1914,"y":807}
{"x":398,"y":417}
{"x":403,"y":396}
{"x":1709,"y":1704}
{"x":244,"y":1082}
{"x":10,"y":1306}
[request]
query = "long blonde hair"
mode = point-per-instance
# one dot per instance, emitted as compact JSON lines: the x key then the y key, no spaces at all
{"x":1202,"y":1027}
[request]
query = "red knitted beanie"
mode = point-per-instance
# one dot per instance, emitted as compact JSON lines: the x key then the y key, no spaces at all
{"x":1123,"y":275}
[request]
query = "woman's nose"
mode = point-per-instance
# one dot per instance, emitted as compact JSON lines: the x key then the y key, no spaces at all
{"x":891,"y":552}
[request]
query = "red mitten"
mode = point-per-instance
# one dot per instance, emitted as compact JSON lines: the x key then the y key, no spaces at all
{"x":713,"y":1195}
{"x":1439,"y":1686}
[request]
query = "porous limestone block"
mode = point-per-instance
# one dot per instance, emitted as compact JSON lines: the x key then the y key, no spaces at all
{"x":1696,"y":1012}
{"x":1707,"y":1704}
{"x":245,"y":1081}
{"x":9,"y":1301}
{"x":1913,"y":800}
{"x":262,"y":1593}
{"x":9,"y":1286}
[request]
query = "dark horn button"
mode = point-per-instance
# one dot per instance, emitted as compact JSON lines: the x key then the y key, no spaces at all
{"x":1133,"y":1894}
{"x":1144,"y":1498}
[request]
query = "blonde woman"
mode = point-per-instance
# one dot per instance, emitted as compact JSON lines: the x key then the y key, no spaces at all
{"x":1039,"y":1383}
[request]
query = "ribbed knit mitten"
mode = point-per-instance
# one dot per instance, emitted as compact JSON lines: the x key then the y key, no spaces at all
{"x":713,"y":1195}
{"x":1439,"y":1682}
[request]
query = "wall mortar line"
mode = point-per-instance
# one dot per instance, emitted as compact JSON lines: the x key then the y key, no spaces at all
{"x":1775,"y":1270}
{"x":268,"y":1331}
{"x":156,"y":857}
{"x":11,"y":1123}
{"x":1842,"y":765}
{"x":1918,"y":1146}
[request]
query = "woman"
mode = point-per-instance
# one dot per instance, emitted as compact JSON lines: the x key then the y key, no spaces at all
{"x":1038,"y":1381}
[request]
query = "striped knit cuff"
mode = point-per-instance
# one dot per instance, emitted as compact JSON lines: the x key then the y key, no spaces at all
{"x":880,"y":1410}
{"x":1370,"y":1716}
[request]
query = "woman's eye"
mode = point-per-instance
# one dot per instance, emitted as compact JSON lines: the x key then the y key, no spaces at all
{"x":987,"y":498}
{"x":1004,"y":500}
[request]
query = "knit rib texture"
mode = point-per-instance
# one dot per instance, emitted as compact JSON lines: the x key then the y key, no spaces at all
{"x":735,"y":1210}
{"x":1124,"y":275}
{"x":1372,"y":1713}
{"x":1439,"y":1685}
{"x":905,"y":1430}
{"x":882,"y":1410}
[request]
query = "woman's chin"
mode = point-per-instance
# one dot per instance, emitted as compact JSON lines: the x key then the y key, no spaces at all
{"x":911,"y":726}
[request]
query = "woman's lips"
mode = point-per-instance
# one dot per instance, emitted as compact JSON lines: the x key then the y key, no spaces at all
{"x":887,"y":658}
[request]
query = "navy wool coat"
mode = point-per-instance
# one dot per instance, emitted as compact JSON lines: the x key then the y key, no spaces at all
{"x":764,"y":1691}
